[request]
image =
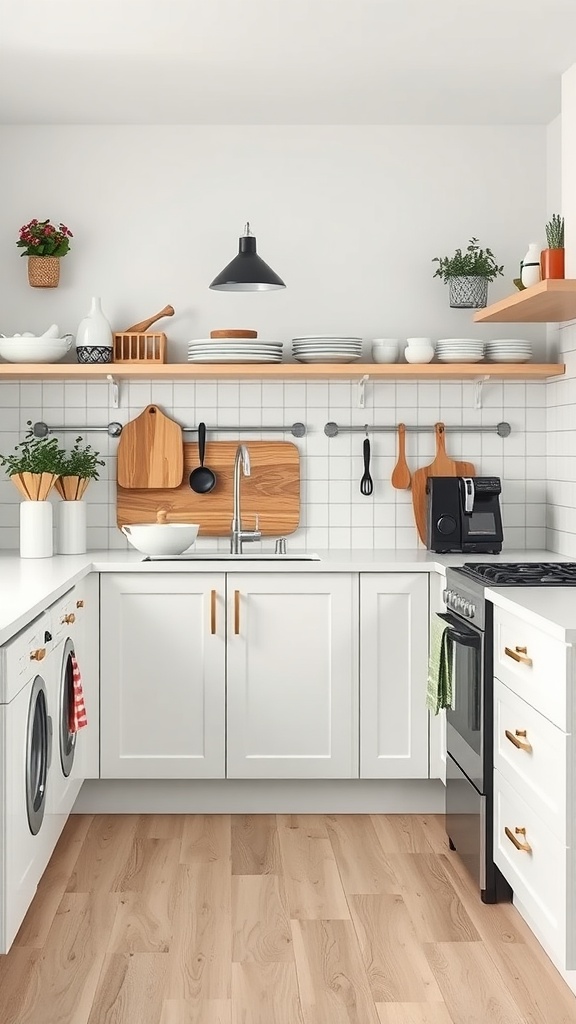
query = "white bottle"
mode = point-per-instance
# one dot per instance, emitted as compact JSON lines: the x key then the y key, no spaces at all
{"x":530,"y":273}
{"x":94,"y":336}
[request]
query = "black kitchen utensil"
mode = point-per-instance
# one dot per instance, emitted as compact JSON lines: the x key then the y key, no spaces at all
{"x":202,"y":479}
{"x":366,"y":485}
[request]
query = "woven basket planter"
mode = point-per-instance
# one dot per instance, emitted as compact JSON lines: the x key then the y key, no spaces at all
{"x":468,"y":292}
{"x":43,"y":271}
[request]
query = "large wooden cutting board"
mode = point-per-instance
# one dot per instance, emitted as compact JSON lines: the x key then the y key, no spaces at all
{"x":272,"y":490}
{"x":442,"y":465}
{"x":150,"y":451}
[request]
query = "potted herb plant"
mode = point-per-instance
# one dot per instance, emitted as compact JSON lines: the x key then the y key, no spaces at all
{"x":34,"y":468}
{"x":44,"y":245}
{"x":79,"y":467}
{"x":468,"y":274}
{"x":552,"y":258}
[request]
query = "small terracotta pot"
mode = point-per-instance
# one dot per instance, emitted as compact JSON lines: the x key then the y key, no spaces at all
{"x":552,"y":264}
{"x":43,"y":271}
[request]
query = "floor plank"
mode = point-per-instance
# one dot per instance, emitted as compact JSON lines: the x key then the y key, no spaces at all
{"x":160,"y":826}
{"x":393,"y":957}
{"x":265,"y":994}
{"x":472,"y":988}
{"x":411,"y":833}
{"x":130,"y":989}
{"x":201,"y":950}
{"x":189,"y":1011}
{"x":260,"y":922}
{"x":311,"y":877}
{"x":206,"y":838}
{"x":105,"y":850}
{"x":414,"y":1013}
{"x":149,"y":863}
{"x":333,"y":985}
{"x":313,"y":825}
{"x":534,"y":984}
{"x":437,"y":912}
{"x":255,"y":845}
{"x":362,"y":863}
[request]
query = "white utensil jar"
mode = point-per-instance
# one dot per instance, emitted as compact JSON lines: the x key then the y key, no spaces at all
{"x":36,"y":529}
{"x":71,"y":531}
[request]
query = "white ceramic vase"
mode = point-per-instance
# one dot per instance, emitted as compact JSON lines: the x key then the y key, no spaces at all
{"x":94,"y":336}
{"x":71,"y":532}
{"x":530,"y":273}
{"x":36,"y":529}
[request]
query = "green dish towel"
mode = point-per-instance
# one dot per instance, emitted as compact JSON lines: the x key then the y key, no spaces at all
{"x":439,"y":692}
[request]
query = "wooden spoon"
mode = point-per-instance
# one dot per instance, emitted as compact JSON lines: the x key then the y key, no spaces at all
{"x":143,"y":326}
{"x":401,"y":477}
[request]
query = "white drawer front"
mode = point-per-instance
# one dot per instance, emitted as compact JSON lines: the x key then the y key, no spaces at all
{"x":530,"y":753}
{"x":532,"y":664}
{"x":537,"y":876}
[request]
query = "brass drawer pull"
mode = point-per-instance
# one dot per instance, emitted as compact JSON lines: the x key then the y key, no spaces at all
{"x":79,"y":604}
{"x":236,"y":612}
{"x":525,"y":847}
{"x":518,"y":654}
{"x":38,"y":655}
{"x":520,"y":744}
{"x":213,"y":612}
{"x":69,"y":619}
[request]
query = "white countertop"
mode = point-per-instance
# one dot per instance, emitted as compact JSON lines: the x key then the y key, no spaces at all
{"x":29,"y":586}
{"x":552,"y":609}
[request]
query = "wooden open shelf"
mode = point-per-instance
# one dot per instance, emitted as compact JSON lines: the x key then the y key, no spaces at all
{"x":544,"y":303}
{"x":278,"y":371}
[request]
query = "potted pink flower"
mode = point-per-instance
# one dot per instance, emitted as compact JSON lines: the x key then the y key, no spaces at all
{"x":44,"y":245}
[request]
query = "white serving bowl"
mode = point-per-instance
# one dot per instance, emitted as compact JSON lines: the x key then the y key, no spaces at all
{"x":34,"y":350}
{"x":419,"y":353}
{"x":381,"y":354}
{"x":161,"y":538}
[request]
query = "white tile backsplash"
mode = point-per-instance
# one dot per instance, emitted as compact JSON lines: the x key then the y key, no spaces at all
{"x":334,"y":514}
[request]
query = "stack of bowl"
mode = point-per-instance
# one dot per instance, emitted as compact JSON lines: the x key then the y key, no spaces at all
{"x":385,"y":350}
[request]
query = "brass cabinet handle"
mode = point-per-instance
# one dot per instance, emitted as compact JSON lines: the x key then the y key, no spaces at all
{"x":518,"y":654}
{"x":213,"y":612}
{"x":69,"y":619}
{"x":525,"y":847}
{"x":520,"y":744}
{"x":38,"y":655}
{"x":79,"y":604}
{"x":236,"y":612}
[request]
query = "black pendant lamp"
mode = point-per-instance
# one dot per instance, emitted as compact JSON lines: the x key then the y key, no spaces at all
{"x":247,"y":272}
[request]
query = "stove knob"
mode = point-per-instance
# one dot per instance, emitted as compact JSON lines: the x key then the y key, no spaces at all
{"x":467,"y":609}
{"x":472,"y":612}
{"x":445,"y":595}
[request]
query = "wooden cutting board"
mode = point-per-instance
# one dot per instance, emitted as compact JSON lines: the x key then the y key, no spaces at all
{"x":442,"y":465}
{"x":272,"y":490}
{"x":150,"y":451}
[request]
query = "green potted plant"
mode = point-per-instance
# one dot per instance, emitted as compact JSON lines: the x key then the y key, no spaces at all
{"x":34,"y":468}
{"x":79,"y":467}
{"x":44,"y":244}
{"x":552,"y":258}
{"x":468,"y":274}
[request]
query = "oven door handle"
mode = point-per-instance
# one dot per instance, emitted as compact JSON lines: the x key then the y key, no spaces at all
{"x":467,"y":639}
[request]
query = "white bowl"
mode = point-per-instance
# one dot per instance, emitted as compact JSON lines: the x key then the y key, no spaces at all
{"x":161,"y":538}
{"x":419,"y":353}
{"x":419,"y":342}
{"x":380,"y":354}
{"x":34,"y":350}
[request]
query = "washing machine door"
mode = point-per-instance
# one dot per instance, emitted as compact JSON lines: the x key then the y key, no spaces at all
{"x":67,"y":741}
{"x":38,"y":754}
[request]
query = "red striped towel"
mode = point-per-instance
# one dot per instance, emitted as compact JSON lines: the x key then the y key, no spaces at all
{"x":77,"y":709}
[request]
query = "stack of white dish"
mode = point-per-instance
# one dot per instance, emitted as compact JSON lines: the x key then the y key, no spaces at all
{"x":460,"y":350}
{"x":326,"y":348}
{"x":234,"y":350}
{"x":508,"y":350}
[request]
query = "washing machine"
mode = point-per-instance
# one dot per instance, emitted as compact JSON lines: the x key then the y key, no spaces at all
{"x":74,"y":630}
{"x":28,"y":830}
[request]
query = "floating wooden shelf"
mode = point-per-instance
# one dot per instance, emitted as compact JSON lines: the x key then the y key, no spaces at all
{"x":278,"y":371}
{"x":544,"y":303}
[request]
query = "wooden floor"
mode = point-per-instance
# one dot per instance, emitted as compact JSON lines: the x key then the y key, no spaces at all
{"x":270,"y":919}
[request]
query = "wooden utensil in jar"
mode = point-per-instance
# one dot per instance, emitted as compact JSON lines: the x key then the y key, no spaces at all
{"x":401,"y":476}
{"x":145,"y":324}
{"x":442,"y":465}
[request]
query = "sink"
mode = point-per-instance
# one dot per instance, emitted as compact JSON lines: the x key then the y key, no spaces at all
{"x":226,"y":556}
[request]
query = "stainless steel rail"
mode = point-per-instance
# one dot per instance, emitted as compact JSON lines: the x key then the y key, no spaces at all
{"x":41,"y":429}
{"x":331,"y":429}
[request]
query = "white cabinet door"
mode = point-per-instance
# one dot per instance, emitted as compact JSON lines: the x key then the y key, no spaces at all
{"x":292,"y":676}
{"x":163,"y":675}
{"x":437,"y":723}
{"x":393,"y":673}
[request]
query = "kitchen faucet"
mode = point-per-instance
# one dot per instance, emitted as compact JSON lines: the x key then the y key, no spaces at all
{"x":237,"y":534}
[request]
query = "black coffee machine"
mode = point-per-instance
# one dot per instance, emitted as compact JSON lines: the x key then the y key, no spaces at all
{"x":463,"y":514}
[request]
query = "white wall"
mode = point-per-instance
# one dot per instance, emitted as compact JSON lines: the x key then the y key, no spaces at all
{"x":350,"y":217}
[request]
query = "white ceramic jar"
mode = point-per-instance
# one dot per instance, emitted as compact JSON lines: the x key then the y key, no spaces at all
{"x":71,"y":536}
{"x":94,"y":342}
{"x":419,"y":350}
{"x":36,"y":522}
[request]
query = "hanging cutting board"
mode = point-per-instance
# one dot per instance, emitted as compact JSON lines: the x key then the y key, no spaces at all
{"x":272,"y":491}
{"x":150,"y":451}
{"x":442,"y":465}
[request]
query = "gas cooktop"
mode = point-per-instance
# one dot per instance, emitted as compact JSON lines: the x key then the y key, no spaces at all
{"x":521,"y":574}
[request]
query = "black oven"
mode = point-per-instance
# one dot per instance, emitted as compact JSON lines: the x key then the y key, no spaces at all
{"x":469,"y":742}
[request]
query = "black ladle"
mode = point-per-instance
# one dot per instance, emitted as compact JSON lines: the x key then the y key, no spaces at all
{"x":366,"y":485}
{"x":202,"y":479}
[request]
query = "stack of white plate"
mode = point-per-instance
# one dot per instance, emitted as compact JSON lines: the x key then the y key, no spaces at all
{"x":326,"y":348}
{"x":508,"y":350}
{"x":460,"y":350}
{"x":234,"y":350}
